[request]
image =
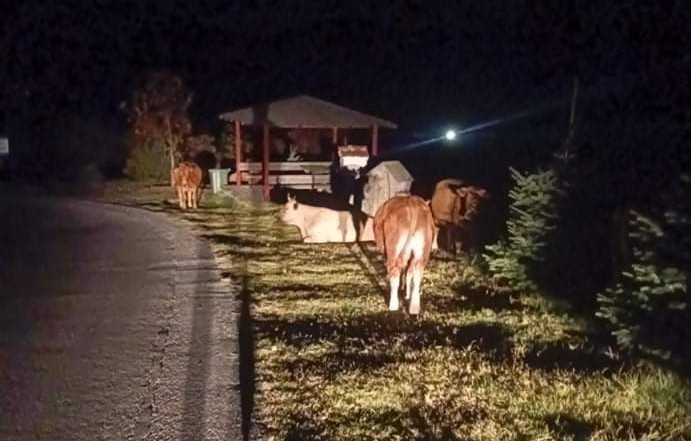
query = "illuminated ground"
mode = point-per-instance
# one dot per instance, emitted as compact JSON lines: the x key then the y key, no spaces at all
{"x":322,"y":359}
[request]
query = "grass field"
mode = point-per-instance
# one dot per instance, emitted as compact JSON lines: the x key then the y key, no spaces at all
{"x":332,"y":363}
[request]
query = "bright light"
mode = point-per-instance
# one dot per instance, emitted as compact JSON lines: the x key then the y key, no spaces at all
{"x":450,"y":135}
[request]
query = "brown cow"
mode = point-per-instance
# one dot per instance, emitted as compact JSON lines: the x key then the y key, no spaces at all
{"x":454,"y":205}
{"x":404,"y":231}
{"x":187,"y":178}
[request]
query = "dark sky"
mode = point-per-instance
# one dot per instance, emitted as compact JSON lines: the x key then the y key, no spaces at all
{"x":419,"y":63}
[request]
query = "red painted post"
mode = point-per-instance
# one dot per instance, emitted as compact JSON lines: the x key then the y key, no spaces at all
{"x":375,"y":140}
{"x":334,"y":141}
{"x":265,"y":163}
{"x":238,"y":153}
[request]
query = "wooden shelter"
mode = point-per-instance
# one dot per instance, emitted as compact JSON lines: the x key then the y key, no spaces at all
{"x":299,"y":112}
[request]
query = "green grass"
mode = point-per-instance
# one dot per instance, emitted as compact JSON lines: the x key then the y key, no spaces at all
{"x":332,"y":363}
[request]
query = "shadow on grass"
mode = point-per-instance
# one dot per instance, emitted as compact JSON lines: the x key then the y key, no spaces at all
{"x":430,"y":422}
{"x":560,"y":356}
{"x":418,"y":423}
{"x":336,"y":363}
{"x":368,"y":263}
{"x":385,"y":327}
{"x":304,"y":428}
{"x":476,"y":299}
{"x":247,"y":359}
{"x":302,"y":291}
{"x":567,"y":427}
{"x":621,"y":425}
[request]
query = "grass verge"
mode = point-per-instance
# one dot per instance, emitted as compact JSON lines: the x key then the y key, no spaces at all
{"x":332,"y":364}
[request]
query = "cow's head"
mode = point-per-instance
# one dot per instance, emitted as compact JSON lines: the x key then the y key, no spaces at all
{"x":472,"y":197}
{"x":477,"y":192}
{"x":292,"y":213}
{"x":291,"y":199}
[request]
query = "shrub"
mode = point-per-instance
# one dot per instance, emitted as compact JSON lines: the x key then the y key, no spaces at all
{"x":148,"y":163}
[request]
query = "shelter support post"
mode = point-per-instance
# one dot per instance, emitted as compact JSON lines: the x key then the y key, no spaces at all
{"x":238,"y":153}
{"x":375,"y":140}
{"x":334,"y":141}
{"x":265,"y":162}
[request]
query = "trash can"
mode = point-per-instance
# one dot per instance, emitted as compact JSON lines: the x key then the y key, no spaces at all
{"x":386,"y":180}
{"x":219,"y":178}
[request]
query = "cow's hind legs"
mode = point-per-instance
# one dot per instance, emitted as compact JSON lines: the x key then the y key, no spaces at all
{"x":181,"y":198}
{"x":193,"y":199}
{"x":408,"y":283}
{"x":197,"y":197}
{"x":394,"y":282}
{"x":416,"y":270}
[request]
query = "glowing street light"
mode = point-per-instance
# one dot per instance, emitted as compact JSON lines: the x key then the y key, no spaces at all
{"x":450,"y":135}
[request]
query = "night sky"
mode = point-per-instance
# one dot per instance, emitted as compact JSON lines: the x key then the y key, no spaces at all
{"x":421,"y":64}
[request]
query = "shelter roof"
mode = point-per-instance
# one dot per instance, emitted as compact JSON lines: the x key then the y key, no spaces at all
{"x":304,"y":111}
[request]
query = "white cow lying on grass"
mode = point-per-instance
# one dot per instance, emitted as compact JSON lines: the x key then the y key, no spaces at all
{"x":323,"y":225}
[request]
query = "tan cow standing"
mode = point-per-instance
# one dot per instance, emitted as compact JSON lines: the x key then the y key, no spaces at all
{"x":187,"y":178}
{"x":454,"y":205}
{"x":404,"y":231}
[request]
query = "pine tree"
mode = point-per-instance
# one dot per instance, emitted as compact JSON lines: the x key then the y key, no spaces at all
{"x":648,"y":307}
{"x":531,"y":219}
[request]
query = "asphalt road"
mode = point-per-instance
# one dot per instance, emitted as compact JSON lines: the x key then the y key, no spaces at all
{"x":115,"y":324}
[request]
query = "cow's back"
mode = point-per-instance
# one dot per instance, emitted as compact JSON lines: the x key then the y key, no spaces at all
{"x":401,"y":216}
{"x":195,"y":175}
{"x":446,"y":202}
{"x":188,"y":175}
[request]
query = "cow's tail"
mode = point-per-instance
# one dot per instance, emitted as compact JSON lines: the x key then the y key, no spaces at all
{"x":411,"y":233}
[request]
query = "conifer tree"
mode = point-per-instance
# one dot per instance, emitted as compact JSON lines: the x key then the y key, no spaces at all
{"x":648,"y":308}
{"x":532,"y":217}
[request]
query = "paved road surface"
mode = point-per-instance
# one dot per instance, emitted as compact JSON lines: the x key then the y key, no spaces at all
{"x":114,"y":325}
